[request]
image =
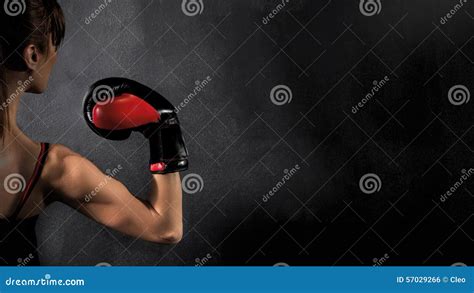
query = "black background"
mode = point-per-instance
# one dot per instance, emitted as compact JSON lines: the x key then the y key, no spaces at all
{"x":329,"y":54}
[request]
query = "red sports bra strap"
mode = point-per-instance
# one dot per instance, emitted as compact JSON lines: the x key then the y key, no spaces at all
{"x":33,"y":180}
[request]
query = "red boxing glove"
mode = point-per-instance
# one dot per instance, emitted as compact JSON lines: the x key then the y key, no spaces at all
{"x":115,"y":107}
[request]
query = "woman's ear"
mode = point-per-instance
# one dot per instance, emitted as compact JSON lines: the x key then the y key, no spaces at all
{"x":32,"y":56}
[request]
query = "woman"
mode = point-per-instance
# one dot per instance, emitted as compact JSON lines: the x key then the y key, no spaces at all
{"x":29,"y":42}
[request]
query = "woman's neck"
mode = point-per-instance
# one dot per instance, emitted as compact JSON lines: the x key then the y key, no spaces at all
{"x":16,"y":89}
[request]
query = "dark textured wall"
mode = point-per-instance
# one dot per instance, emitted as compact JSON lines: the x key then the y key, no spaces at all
{"x":412,"y":136}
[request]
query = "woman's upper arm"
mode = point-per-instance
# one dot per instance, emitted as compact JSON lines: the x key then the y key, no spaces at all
{"x":80,"y":184}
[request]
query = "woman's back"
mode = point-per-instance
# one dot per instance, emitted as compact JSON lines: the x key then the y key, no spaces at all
{"x":22,"y":200}
{"x":19,"y":160}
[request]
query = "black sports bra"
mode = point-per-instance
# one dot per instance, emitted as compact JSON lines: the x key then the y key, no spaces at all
{"x":18,"y":245}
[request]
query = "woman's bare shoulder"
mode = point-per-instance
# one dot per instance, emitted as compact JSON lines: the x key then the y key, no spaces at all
{"x":59,"y":151}
{"x":60,"y":163}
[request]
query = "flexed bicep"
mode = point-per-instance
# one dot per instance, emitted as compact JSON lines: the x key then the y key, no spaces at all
{"x":81,"y":185}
